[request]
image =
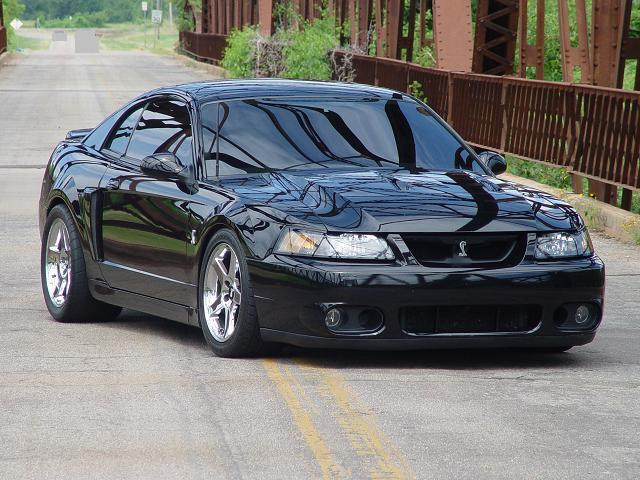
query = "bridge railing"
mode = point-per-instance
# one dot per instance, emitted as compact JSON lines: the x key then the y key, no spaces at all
{"x":3,"y":37}
{"x":204,"y":46}
{"x":591,"y":131}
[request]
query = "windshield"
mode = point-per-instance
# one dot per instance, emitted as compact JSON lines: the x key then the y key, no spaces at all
{"x":261,"y":135}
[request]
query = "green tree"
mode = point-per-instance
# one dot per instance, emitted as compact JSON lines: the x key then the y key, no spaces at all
{"x":11,"y":9}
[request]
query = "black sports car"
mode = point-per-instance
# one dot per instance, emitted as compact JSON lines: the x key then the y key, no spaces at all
{"x":315,"y":214}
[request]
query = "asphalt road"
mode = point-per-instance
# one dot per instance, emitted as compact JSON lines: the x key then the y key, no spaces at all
{"x":142,"y":397}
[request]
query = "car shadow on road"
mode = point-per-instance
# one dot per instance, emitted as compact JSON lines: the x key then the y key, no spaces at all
{"x":464,"y":359}
{"x":461,"y":359}
{"x":141,"y":324}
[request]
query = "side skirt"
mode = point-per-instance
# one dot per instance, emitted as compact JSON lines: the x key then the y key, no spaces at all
{"x":153,"y":306}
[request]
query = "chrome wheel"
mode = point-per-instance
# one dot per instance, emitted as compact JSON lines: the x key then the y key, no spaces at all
{"x":222,"y":292}
{"x":58,"y":262}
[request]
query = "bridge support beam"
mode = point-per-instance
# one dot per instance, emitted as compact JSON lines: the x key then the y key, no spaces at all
{"x":496,"y":32}
{"x":531,"y":55}
{"x":452,"y":34}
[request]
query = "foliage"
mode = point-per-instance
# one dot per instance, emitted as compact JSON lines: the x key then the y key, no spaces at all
{"x":239,"y":55}
{"x":184,"y":21}
{"x":424,"y":56}
{"x":81,"y":20}
{"x":290,"y":52}
{"x":11,"y":9}
{"x":415,"y":89}
{"x":634,"y":31}
{"x":554,"y":176}
{"x":306,"y":55}
{"x":111,"y":11}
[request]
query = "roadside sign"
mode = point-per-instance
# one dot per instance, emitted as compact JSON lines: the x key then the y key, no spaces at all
{"x":156,"y":17}
{"x":16,"y":24}
{"x":145,"y":6}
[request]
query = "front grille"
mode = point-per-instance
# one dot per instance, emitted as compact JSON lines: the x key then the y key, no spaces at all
{"x":430,"y":320}
{"x":467,"y":250}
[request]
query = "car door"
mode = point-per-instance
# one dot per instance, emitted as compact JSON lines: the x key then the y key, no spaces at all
{"x":145,"y":217}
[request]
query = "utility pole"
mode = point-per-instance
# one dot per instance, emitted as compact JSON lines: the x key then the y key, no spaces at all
{"x":158,"y":7}
{"x":145,"y":7}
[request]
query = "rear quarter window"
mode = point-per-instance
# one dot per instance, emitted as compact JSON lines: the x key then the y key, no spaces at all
{"x":97,"y":137}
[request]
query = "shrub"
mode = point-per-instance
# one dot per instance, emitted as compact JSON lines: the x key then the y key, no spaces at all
{"x":290,"y":53}
{"x":80,"y":20}
{"x":306,"y":55}
{"x":239,"y":55}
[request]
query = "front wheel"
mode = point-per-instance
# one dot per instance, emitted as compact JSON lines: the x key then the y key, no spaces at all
{"x":227,"y":310}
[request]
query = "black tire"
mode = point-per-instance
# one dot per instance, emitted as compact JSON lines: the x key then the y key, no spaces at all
{"x":79,"y":305}
{"x":245,"y":341}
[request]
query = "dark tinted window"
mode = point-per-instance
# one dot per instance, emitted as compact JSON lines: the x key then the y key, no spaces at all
{"x":96,"y":138}
{"x":163,"y":127}
{"x":120,"y":138}
{"x":209,"y":116}
{"x":262,"y":135}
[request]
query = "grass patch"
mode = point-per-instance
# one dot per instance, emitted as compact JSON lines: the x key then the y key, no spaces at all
{"x":131,"y":36}
{"x":29,"y":43}
{"x":553,"y":176}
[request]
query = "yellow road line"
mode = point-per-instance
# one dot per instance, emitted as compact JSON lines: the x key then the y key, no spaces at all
{"x":365,"y":437}
{"x":303,"y":421}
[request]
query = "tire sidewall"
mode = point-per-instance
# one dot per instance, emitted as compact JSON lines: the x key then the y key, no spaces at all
{"x":77,"y":262}
{"x":225,"y":348}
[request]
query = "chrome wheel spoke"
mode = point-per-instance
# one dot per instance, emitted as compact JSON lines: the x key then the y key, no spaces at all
{"x":58,"y":263}
{"x":231,"y":320}
{"x":219,"y":266}
{"x":222,"y":292}
{"x":217,"y":310}
{"x":233,"y":269}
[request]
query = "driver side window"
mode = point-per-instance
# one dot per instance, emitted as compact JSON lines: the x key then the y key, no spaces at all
{"x":164,"y":126}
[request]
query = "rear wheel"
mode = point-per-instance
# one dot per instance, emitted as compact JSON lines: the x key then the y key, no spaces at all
{"x":227,"y":311}
{"x":63,"y":273}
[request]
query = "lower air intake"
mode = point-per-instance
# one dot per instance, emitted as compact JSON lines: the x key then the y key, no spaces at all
{"x":429,"y":320}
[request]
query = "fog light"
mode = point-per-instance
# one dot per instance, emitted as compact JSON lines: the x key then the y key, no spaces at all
{"x":333,"y":318}
{"x":583,"y":314}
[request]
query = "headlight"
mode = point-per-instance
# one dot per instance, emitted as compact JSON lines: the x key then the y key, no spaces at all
{"x":563,"y":245}
{"x":353,"y":246}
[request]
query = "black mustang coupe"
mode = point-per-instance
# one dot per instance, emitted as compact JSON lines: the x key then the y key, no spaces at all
{"x":314,"y":214}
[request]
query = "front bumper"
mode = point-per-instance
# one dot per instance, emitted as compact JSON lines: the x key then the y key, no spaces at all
{"x":292,"y":294}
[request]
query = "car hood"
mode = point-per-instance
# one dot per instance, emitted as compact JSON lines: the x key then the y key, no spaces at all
{"x":400,"y":200}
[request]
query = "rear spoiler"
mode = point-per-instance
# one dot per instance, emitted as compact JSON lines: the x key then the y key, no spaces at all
{"x":77,"y":135}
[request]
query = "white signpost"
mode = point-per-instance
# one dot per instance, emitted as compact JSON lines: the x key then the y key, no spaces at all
{"x":16,"y":24}
{"x":156,"y":17}
{"x":145,"y":7}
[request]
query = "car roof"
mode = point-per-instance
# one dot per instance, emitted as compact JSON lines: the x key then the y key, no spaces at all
{"x":208,"y":91}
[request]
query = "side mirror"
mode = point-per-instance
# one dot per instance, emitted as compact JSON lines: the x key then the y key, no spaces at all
{"x":166,"y":165}
{"x":496,"y":162}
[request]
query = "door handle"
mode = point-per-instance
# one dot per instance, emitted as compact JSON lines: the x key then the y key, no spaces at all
{"x":113,"y":184}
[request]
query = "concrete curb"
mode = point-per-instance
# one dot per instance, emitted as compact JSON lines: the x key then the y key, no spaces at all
{"x":599,"y":216}
{"x":192,"y":62}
